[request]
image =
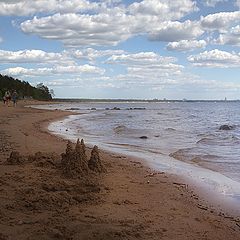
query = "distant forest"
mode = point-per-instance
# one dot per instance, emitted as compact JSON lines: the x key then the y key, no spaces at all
{"x":24,"y":89}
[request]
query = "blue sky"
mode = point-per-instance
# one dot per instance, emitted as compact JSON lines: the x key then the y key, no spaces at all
{"x":124,"y":49}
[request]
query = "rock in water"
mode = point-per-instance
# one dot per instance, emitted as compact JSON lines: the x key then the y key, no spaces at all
{"x":95,"y":163}
{"x":144,"y":137}
{"x":226,"y":127}
{"x":14,"y":158}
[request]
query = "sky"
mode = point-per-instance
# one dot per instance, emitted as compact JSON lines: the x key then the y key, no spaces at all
{"x":173,"y":49}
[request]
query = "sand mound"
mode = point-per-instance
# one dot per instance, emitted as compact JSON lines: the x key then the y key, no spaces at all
{"x":15,"y":158}
{"x":41,"y":186}
{"x":55,"y":195}
{"x":41,"y":159}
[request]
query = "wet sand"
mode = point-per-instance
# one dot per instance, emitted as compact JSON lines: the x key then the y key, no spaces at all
{"x":129,"y":201}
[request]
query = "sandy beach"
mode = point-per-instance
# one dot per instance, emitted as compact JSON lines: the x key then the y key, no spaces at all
{"x":128,"y":201}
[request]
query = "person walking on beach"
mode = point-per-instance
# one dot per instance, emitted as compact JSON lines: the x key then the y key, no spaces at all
{"x":14,"y":98}
{"x":7,"y":97}
{"x":4,"y":100}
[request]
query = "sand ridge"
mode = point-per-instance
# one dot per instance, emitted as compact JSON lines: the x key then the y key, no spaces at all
{"x":127,"y":201}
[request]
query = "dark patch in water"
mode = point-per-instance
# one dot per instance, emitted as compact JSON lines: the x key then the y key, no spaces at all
{"x":226,"y":127}
{"x":73,"y":109}
{"x":137,"y":108}
{"x":204,"y":141}
{"x":120,"y":129}
{"x":170,"y":129}
{"x":116,"y":108}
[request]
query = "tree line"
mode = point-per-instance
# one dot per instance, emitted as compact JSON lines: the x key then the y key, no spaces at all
{"x":24,"y":89}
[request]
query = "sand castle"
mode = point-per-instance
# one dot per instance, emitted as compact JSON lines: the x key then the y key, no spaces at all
{"x":95,"y":163}
{"x":74,"y":162}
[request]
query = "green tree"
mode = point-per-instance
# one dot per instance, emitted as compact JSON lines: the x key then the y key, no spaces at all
{"x":24,"y":89}
{"x":52,"y":93}
{"x":43,"y":92}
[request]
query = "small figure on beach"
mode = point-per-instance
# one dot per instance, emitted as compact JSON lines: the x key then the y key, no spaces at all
{"x":14,"y":98}
{"x":7,"y":97}
{"x":4,"y":100}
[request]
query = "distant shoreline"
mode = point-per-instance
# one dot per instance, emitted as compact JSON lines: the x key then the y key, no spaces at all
{"x":135,"y":100}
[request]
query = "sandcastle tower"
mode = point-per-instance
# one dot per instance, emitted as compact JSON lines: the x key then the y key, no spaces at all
{"x":67,"y":160}
{"x":78,"y":146}
{"x":69,"y":149}
{"x":81,"y":158}
{"x":83,"y":149}
{"x":95,"y":163}
{"x":74,"y":161}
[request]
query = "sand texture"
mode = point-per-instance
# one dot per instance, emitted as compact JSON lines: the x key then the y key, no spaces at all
{"x":44,"y":195}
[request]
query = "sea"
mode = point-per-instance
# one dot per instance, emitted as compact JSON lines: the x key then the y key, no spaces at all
{"x":181,"y":138}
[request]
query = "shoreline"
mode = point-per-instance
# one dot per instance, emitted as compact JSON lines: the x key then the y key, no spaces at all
{"x":134,"y":201}
{"x":223,"y":201}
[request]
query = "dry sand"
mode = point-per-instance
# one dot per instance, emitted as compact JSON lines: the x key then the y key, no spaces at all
{"x":129,"y":201}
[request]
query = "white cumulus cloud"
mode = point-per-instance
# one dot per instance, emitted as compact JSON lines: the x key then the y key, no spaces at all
{"x":147,"y":67}
{"x":72,"y":70}
{"x":92,"y":54}
{"x":186,"y":45}
{"x":33,"y":56}
{"x":163,"y":9}
{"x":220,"y":21}
{"x":232,"y":37}
{"x":176,"y":31}
{"x":112,"y":24}
{"x":75,"y":29}
{"x":141,"y":58}
{"x":215,"y":58}
{"x":29,"y":7}
{"x":212,"y":3}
